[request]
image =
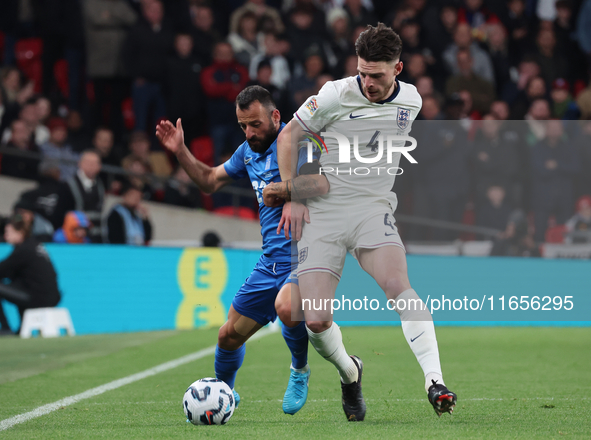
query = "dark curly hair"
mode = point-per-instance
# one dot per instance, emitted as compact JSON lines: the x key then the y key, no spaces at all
{"x":379,"y":43}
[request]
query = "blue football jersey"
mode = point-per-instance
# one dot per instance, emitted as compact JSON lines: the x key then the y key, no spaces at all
{"x":262,"y":169}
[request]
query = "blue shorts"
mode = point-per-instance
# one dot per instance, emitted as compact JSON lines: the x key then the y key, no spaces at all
{"x":256,"y":297}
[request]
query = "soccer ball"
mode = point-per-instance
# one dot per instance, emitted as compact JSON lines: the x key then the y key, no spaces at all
{"x":208,"y":401}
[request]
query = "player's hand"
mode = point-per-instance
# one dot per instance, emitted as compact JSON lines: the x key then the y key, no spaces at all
{"x":173,"y":138}
{"x":292,"y":218}
{"x":272,"y":196}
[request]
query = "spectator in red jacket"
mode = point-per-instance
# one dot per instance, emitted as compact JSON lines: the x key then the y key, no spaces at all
{"x":222,"y":81}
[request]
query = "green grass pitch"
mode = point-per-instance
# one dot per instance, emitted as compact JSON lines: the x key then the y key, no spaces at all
{"x":511,"y":383}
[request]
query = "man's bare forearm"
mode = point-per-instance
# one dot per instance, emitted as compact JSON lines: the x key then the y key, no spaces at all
{"x":199,"y":172}
{"x":300,"y":188}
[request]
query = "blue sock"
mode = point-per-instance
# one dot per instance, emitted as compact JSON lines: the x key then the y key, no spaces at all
{"x":227,"y":364}
{"x":296,"y":339}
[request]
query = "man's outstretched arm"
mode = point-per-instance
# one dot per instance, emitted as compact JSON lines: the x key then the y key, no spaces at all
{"x":208,"y":179}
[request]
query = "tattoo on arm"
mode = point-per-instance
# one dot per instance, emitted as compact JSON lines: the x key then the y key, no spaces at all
{"x":303,"y":187}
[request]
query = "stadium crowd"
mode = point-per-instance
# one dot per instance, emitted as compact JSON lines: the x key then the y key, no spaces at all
{"x":83,"y":83}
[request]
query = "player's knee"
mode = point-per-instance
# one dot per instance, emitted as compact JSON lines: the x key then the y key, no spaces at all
{"x":283,"y":309}
{"x":228,"y":338}
{"x":318,"y":326}
{"x":397,"y":284}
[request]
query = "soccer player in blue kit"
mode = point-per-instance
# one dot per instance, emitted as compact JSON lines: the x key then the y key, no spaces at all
{"x":266,"y":293}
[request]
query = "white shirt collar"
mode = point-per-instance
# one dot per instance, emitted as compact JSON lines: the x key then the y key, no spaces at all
{"x":86,"y":182}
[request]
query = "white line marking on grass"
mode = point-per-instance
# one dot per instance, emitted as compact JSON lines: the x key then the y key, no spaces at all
{"x":50,"y":407}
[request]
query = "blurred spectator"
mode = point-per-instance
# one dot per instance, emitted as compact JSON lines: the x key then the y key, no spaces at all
{"x":566,"y":40}
{"x":410,"y":33}
{"x":552,"y":63}
{"x":350,"y":66}
{"x":583,"y":144}
{"x":58,"y":149}
{"x":578,"y":227}
{"x":43,"y":109}
{"x":128,"y":222}
{"x":17,"y":166}
{"x":441,"y":183}
{"x":263,"y":79}
{"x":526,"y":70}
{"x":415,"y":67}
{"x":359,"y":15}
{"x":156,"y":162}
{"x":304,"y":85}
{"x":33,"y":281}
{"x":425,"y":87}
{"x":499,"y":55}
{"x":43,"y":199}
{"x":39,"y":226}
{"x":535,"y":89}
{"x":268,"y":17}
{"x":83,"y":192}
{"x":211,"y":239}
{"x":302,"y":35}
{"x":555,"y":165}
{"x":584,"y":102}
{"x":338,"y":46}
{"x":148,"y":44}
{"x":563,"y":104}
{"x":107,"y":23}
{"x":3,"y":118}
{"x":481,"y":90}
{"x":181,"y":192}
{"x":75,"y":229}
{"x":517,"y":238}
{"x":518,"y":26}
{"x":30,"y":115}
{"x":469,"y":113}
{"x":274,"y":53}
{"x":103,"y":144}
{"x":584,"y":29}
{"x":481,"y":63}
{"x":439,"y":36}
{"x":493,"y":210}
{"x":475,"y":14}
{"x":538,"y":113}
{"x":14,"y":92}
{"x":203,"y":33}
{"x":185,"y":97}
{"x":140,"y":178}
{"x":431,"y":109}
{"x":495,"y":158}
{"x":79,"y":137}
{"x":500,"y":110}
{"x":222,"y":82}
{"x":246,"y":42}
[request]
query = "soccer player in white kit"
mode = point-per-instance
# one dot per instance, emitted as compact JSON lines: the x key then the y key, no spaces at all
{"x":356,"y":211}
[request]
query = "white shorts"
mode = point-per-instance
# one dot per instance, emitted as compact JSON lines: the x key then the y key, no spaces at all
{"x":332,"y":233}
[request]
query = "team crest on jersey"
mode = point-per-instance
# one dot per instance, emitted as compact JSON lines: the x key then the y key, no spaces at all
{"x":303,"y":255}
{"x":403,"y":118}
{"x":312,"y":106}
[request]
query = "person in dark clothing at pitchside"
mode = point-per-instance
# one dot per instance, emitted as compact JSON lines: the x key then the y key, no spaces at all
{"x":33,"y":281}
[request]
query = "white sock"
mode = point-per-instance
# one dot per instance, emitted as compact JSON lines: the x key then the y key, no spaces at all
{"x":418,"y":329}
{"x":329,"y":345}
{"x":305,"y":369}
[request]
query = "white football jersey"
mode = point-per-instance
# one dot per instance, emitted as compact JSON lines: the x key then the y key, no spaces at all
{"x":341,"y":114}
